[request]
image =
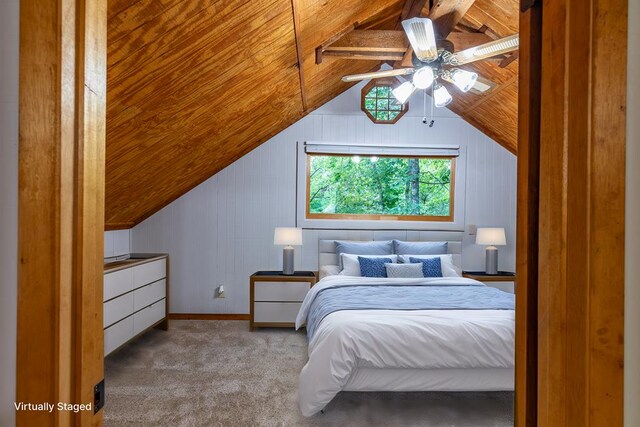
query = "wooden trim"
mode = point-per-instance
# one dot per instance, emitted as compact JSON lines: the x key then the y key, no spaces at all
{"x":379,"y":83}
{"x":207,"y":316}
{"x":273,"y":325}
{"x":164,"y":323}
{"x":61,"y":207}
{"x":526,"y":290}
{"x":118,"y":226}
{"x":381,"y":217}
{"x":580,"y":215}
{"x":121,"y":265}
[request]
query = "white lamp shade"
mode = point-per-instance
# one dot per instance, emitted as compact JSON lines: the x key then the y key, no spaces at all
{"x":493,"y":236}
{"x":288,"y":236}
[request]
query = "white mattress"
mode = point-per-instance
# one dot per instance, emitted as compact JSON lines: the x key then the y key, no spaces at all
{"x":384,"y":350}
{"x":470,"y":379}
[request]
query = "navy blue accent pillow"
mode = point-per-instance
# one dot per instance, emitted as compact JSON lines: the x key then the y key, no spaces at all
{"x":419,"y":248}
{"x":373,"y":267}
{"x":431,"y":267}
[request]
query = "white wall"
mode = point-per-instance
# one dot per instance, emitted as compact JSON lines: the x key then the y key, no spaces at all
{"x":632,"y":249}
{"x":222,"y":231}
{"x":9,"y":42}
{"x":116,"y":243}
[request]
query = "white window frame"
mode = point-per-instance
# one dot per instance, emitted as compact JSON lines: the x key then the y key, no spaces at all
{"x":359,"y":149}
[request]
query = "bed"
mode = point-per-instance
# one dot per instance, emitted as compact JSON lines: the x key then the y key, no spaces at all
{"x":411,"y":334}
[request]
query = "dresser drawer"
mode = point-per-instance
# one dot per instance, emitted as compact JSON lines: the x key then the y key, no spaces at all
{"x":118,"y":334}
{"x":149,"y":272}
{"x":117,"y":283}
{"x":147,"y":317}
{"x":149,"y":294}
{"x":280,"y":291}
{"x":117,"y":309}
{"x":275,"y":312}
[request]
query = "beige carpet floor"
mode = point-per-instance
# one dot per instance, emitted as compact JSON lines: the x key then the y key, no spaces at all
{"x":217,"y":373}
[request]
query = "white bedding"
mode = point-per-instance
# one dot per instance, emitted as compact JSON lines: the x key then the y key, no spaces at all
{"x":422,"y":339}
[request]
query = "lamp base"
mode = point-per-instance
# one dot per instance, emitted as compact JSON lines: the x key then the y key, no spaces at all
{"x":287,"y":261}
{"x":491,"y":260}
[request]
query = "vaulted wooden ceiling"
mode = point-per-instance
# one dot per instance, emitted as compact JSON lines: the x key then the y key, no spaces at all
{"x":194,"y":85}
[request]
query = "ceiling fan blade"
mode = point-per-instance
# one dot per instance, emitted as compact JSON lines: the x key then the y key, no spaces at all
{"x":378,"y":74}
{"x":422,"y":38}
{"x":484,"y":51}
{"x":482,"y":86}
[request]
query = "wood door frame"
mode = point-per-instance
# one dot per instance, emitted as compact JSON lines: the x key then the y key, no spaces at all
{"x":62,"y":121}
{"x":571,"y":213}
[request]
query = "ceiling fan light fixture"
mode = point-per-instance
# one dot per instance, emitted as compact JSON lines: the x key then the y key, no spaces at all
{"x":403,"y":92}
{"x":464,"y":80}
{"x":441,"y":96}
{"x":423,"y":78}
{"x":422,"y":38}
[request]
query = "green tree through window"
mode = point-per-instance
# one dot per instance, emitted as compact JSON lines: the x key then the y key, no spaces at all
{"x":379,"y":188}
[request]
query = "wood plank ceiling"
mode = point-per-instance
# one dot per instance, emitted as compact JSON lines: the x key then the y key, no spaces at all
{"x":194,"y":85}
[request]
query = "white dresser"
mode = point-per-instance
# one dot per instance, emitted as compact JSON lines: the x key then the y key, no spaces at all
{"x":135,"y":298}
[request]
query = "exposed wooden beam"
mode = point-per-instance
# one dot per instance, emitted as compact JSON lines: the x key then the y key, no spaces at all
{"x":413,"y":8}
{"x":383,"y":45}
{"x":463,"y":41}
{"x":296,"y":25}
{"x":369,"y":56}
{"x":446,"y":14}
{"x":508,"y":60}
{"x":332,"y":40}
{"x":370,"y":41}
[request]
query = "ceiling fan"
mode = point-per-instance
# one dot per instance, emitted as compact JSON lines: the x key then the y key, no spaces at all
{"x":431,"y":63}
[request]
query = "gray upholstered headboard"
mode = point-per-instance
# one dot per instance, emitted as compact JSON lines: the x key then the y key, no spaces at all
{"x":327,"y":248}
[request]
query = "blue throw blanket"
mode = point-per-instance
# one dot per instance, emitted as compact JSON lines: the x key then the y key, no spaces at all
{"x":405,"y":297}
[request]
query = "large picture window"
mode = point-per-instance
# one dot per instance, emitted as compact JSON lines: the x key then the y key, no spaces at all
{"x":360,"y":187}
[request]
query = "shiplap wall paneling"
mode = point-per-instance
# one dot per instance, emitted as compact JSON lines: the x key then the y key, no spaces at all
{"x":117,"y":242}
{"x":222,"y":231}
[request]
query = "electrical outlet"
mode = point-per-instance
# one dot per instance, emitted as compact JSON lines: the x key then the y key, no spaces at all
{"x":220,"y":291}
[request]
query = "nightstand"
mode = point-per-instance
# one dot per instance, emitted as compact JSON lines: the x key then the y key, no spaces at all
{"x":275,"y":298}
{"x":503,"y":280}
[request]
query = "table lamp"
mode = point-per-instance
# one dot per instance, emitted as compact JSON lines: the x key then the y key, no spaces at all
{"x":491,"y":236}
{"x":289,"y":237}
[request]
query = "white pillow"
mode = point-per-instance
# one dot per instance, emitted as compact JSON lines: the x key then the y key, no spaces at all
{"x":351,"y":265}
{"x":446,"y":261}
{"x":329,"y":270}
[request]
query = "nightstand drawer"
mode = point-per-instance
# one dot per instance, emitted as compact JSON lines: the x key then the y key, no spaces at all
{"x":276,"y":312}
{"x":281,"y":291}
{"x":503,"y":286}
